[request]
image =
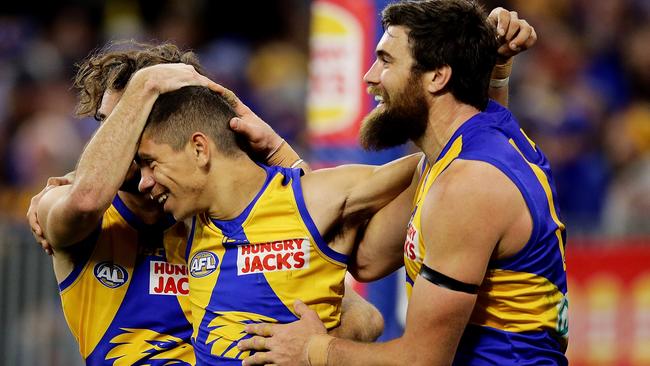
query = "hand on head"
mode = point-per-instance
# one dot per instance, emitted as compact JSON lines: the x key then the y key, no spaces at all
{"x":515,"y":34}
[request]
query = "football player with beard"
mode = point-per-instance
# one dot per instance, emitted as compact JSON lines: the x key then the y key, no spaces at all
{"x":484,"y":243}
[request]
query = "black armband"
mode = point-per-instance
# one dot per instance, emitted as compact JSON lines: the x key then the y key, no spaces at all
{"x":441,"y":280}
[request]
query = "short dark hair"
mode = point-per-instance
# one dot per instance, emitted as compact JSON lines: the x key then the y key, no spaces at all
{"x":112,"y":66}
{"x":453,"y":33}
{"x":176,"y":115}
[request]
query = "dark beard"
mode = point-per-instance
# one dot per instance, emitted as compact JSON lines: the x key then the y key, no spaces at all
{"x":402,"y":119}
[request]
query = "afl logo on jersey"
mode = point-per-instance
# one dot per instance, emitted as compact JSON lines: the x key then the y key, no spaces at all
{"x":110,"y":274}
{"x":203,"y":263}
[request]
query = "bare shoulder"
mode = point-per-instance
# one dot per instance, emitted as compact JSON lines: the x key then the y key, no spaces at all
{"x":472,"y":182}
{"x":467,"y":211}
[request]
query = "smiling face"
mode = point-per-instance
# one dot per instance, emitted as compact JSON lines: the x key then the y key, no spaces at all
{"x":171,"y":177}
{"x":402,"y":112}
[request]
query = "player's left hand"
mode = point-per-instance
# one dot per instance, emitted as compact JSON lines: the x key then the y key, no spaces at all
{"x":515,"y":35}
{"x":282,"y":344}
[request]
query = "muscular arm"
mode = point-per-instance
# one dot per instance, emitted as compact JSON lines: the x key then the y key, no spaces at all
{"x":379,"y":250}
{"x":69,"y":214}
{"x":476,"y":217}
{"x":350,"y":194}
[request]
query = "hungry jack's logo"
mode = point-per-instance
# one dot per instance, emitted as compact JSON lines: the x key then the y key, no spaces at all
{"x":280,"y":255}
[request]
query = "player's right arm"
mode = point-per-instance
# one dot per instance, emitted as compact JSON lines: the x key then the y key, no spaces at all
{"x":68,"y":214}
{"x":344,"y":197}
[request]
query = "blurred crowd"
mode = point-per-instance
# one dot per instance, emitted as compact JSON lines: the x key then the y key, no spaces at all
{"x":583,"y":92}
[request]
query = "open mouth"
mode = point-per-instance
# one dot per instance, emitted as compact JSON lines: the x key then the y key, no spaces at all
{"x":381,"y":101}
{"x":161,"y":198}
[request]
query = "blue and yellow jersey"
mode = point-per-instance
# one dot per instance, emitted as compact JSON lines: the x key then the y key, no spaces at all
{"x":126,"y":303}
{"x":521,"y":312}
{"x":251,"y":269}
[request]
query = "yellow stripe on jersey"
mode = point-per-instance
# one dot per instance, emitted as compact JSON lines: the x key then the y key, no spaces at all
{"x":517,"y":302}
{"x":413,"y":265}
{"x":543,"y":180}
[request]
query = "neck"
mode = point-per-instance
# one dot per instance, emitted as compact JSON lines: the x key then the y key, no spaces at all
{"x":446,"y":115}
{"x":234,"y":184}
{"x":144,"y":208}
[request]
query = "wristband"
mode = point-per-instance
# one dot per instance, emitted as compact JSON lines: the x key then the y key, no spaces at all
{"x":275,"y":149}
{"x":502,"y":71}
{"x":284,"y":156}
{"x":499,"y":83}
{"x":296,"y":163}
{"x":318,"y":348}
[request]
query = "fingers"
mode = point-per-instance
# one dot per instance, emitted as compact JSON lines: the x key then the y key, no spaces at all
{"x":255,"y":343}
{"x":261,"y":329}
{"x":513,"y":26}
{"x":259,"y":358}
{"x":46,"y":247}
{"x":235,"y":124}
{"x":33,"y":219}
{"x":230,"y":97}
{"x":244,"y":127}
{"x":522,"y":39}
{"x":532,"y":39}
{"x":503,"y":21}
{"x":217,"y":88}
{"x":301,"y":309}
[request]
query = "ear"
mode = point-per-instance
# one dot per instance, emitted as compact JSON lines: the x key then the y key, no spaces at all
{"x":200,"y":146}
{"x":436,"y":80}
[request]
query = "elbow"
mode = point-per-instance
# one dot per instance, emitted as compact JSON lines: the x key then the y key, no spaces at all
{"x":364,"y":268}
{"x":87,"y":202}
{"x":362,"y":274}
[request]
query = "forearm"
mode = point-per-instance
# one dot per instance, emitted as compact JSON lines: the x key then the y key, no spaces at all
{"x":374,"y":187}
{"x":343,"y":352}
{"x":501,"y":95}
{"x":284,"y":155}
{"x":380,"y":250}
{"x":500,"y":81}
{"x":107,"y":157}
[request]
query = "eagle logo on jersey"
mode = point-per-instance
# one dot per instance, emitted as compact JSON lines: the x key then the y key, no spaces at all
{"x":149,"y":348}
{"x":227,"y":328}
{"x":110,"y":274}
{"x":203,"y":263}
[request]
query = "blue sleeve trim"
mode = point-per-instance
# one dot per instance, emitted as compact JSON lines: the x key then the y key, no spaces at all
{"x":306,"y":218}
{"x":88,"y":245}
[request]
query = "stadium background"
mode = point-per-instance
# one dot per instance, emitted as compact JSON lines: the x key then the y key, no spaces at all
{"x":583,"y":94}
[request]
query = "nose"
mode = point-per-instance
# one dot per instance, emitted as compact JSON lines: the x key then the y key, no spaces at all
{"x":146,"y":180}
{"x":372,"y":75}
